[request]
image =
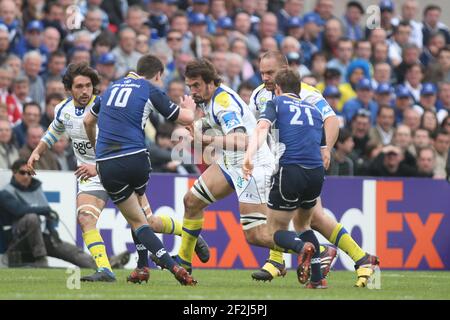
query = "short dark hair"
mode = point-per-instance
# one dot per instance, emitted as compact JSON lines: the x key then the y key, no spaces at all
{"x":344,"y":134}
{"x":288,"y":80}
{"x":431,"y":7}
{"x":57,"y":54}
{"x":17,"y":164}
{"x":80,"y":69}
{"x":203,"y":68}
{"x":149,"y":65}
{"x":356,"y":4}
{"x":31,"y":103}
{"x":401,"y":24}
{"x":246,"y":85}
{"x":53,"y":96}
{"x":381,"y":108}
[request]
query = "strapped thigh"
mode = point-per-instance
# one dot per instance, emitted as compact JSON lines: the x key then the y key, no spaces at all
{"x":91,"y":210}
{"x":252,"y":220}
{"x":201,"y":191}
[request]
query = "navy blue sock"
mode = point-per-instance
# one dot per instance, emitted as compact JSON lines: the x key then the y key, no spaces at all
{"x":288,"y":240}
{"x":141,"y":251}
{"x":148,"y":238}
{"x":309,"y":236}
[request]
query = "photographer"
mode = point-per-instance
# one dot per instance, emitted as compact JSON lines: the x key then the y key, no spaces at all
{"x":22,"y":204}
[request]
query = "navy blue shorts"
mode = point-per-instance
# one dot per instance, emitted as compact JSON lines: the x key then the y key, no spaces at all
{"x":124,"y":175}
{"x":295,"y":187}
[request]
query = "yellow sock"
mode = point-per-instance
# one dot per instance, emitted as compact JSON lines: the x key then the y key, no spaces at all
{"x":170,"y":225}
{"x":96,"y":246}
{"x":191,"y":231}
{"x":276,"y":256}
{"x":342,"y":239}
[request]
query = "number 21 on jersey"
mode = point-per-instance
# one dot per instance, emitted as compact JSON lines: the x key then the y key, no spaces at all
{"x":298,"y":112}
{"x":120,"y":99}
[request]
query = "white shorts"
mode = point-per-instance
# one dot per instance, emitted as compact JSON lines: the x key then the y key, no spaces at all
{"x":256,"y":190}
{"x":92,"y":186}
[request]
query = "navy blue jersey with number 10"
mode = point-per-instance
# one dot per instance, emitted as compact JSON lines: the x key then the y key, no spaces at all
{"x":123,"y":112}
{"x":300,"y":126}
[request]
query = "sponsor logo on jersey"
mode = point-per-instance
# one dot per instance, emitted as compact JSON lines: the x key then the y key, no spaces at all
{"x":82,"y":147}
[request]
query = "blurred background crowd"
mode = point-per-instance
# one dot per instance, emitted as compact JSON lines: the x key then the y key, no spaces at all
{"x":389,"y":83}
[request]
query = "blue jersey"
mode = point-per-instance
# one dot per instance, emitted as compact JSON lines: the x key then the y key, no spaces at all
{"x":123,"y":112}
{"x":300,"y":129}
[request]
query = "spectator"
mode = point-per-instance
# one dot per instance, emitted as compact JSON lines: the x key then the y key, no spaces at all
{"x":428,"y":97}
{"x":242,"y":24}
{"x":64,"y":154}
{"x":32,"y":62}
{"x":198,"y":24}
{"x":333,"y":95}
{"x":135,"y":18}
{"x":56,"y":66}
{"x":201,"y":46}
{"x":31,"y":117}
{"x":295,"y":27}
{"x":431,"y":50}
{"x":51,"y":102}
{"x":378,"y":36}
{"x":8,"y":16}
{"x":4,"y":43}
{"x":352,"y":20}
{"x":389,"y":164}
{"x":431,"y":24}
{"x":331,"y":35}
{"x":33,"y":41}
{"x":410,"y":56}
{"x":387,"y":10}
{"x":21,"y":90}
{"x":51,"y":39}
{"x":411,"y":118}
{"x":325,"y":9}
{"x":341,"y":164}
{"x":48,"y":160}
{"x":364,"y":100}
{"x":429,"y":121}
{"x":55,"y":86}
{"x":8,"y":150}
{"x":311,"y":41}
{"x":239,"y":46}
{"x":400,"y":38}
{"x":15,"y":64}
{"x":79,"y":54}
{"x":233,"y":76}
{"x":409,"y":13}
{"x":245,"y":91}
{"x":440,"y":71}
{"x":403,"y":102}
{"x":142,"y":44}
{"x":383,"y":95}
{"x":125,"y":53}
{"x":441,"y":144}
{"x":403,"y":139}
{"x":381,"y":54}
{"x":291,"y":9}
{"x":426,"y":161}
{"x":344,"y":56}
{"x":413,"y":80}
{"x":360,"y":127}
{"x":106,"y":65}
{"x":421,"y":139}
{"x":54,"y":17}
{"x":22,"y":203}
{"x":363,"y":50}
{"x":383,"y":132}
{"x":93,"y":22}
{"x":269,"y":27}
{"x":443,"y":104}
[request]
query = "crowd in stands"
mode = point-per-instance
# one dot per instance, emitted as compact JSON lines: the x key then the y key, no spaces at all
{"x":388,"y":84}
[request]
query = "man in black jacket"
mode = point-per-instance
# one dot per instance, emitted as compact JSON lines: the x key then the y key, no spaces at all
{"x":22,"y":204}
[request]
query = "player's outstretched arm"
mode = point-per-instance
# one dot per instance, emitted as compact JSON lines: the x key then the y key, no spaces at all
{"x":257,"y":139}
{"x":36,"y":155}
{"x":90,"y":125}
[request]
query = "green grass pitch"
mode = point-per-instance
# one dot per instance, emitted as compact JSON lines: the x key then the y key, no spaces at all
{"x":221,"y":284}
